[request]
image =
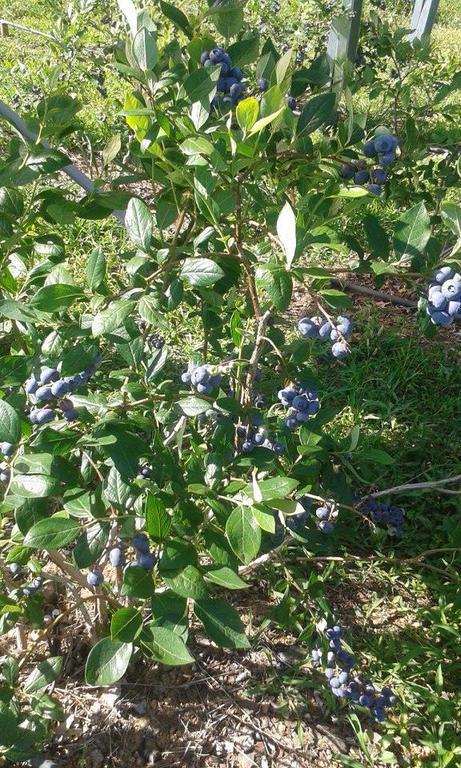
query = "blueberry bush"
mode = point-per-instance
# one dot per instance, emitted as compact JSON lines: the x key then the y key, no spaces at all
{"x":145,"y":480}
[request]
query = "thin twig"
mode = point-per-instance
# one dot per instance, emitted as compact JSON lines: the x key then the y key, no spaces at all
{"x":254,"y":359}
{"x":417,"y":487}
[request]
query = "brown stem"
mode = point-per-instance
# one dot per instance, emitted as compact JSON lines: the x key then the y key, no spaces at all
{"x":254,"y":359}
{"x":348,"y":285}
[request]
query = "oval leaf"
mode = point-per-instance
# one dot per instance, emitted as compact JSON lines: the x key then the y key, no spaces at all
{"x":107,"y":662}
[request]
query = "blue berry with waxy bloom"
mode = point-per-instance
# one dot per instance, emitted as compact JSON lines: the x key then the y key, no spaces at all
{"x":451,"y":289}
{"x":385,"y":142}
{"x":442,"y":274}
{"x":7,"y":448}
{"x":308,"y":328}
{"x":347,"y":171}
{"x":262,"y":84}
{"x":14,"y":569}
{"x":379,"y":176}
{"x":48,"y":375}
{"x":141,"y":542}
{"x":361,"y":177}
{"x":31,"y":385}
{"x":94,"y":578}
{"x":43,"y":394}
{"x":71,"y":414}
{"x":292,"y":103}
{"x":374,"y":189}
{"x":5,"y":475}
{"x":146,"y":560}
{"x":369,"y":149}
{"x":44,"y":416}
{"x":340,"y":349}
{"x":117,"y":557}
{"x":387,"y":159}
{"x":60,"y":388}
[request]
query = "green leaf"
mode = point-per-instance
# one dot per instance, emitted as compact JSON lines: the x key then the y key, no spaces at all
{"x":138,"y":223}
{"x":55,"y":298}
{"x":145,"y":49}
{"x":377,"y":237}
{"x":244,"y":51}
{"x":188,"y":583}
{"x":247,"y":113}
{"x":201,"y":273}
{"x":116,"y":489}
{"x":9,"y":729}
{"x":336,"y":299}
{"x":125,"y":625}
{"x":44,"y":673}
{"x":315,"y":113}
{"x":263,"y":122}
{"x":107,"y":661}
{"x":10,"y":424}
{"x":158,"y":521}
{"x":243,"y":534}
{"x":112,"y":148}
{"x":168,"y":647}
{"x":377,"y":456}
{"x":95,"y":269}
{"x":286,"y":231}
{"x":137,"y":582}
{"x":52,"y":533}
{"x":111,"y":318}
{"x":317,"y":74}
{"x":227,"y":16}
{"x":412,"y":232}
{"x":193,"y":406}
{"x":275,"y":488}
{"x":222,"y":623}
{"x":177,"y":17}
{"x":90,"y":544}
{"x":451,"y":213}
{"x":33,"y":486}
{"x":170,"y":611}
{"x":226,"y":577}
{"x":201,"y":84}
{"x":197,"y":145}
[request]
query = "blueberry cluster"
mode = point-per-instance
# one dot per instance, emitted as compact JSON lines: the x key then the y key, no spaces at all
{"x":321,"y":328}
{"x":384,"y":514}
{"x":202,"y":378}
{"x":358,"y":689}
{"x":326,"y":516}
{"x":144,"y":558}
{"x":5,"y":474}
{"x":302,"y":402}
{"x":256,"y":437}
{"x":383,"y":147}
{"x":230,"y":86}
{"x":444,"y":297}
{"x":156,"y":341}
{"x":33,"y":587}
{"x":48,"y":387}
{"x":6,"y":449}
{"x":144,"y":472}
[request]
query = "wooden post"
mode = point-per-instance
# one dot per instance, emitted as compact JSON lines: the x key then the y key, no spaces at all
{"x":423,"y":18}
{"x":4,"y":31}
{"x":343,"y":39}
